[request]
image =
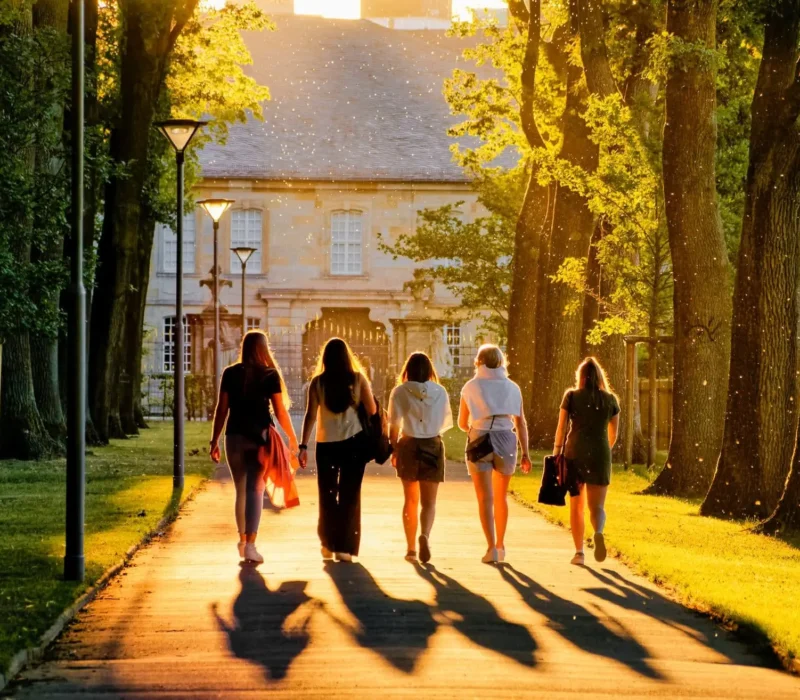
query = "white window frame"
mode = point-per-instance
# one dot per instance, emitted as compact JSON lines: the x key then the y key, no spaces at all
{"x":247,"y":226}
{"x":169,"y":246}
{"x":347,"y":242}
{"x":253,"y":323}
{"x":453,"y":338}
{"x":168,"y":354}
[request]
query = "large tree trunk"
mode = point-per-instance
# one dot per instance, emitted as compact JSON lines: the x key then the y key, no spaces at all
{"x":572,"y":227}
{"x":50,"y":15}
{"x":762,"y":414}
{"x":22,"y":432}
{"x":701,"y":295}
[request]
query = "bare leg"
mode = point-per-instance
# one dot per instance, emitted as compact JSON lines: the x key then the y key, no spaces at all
{"x":500,"y":487}
{"x":483,"y":490}
{"x":410,"y":512}
{"x":596,"y":498}
{"x":428,"y":491}
{"x":576,"y":523}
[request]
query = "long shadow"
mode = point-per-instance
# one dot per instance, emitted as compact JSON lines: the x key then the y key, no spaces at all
{"x":580,"y":626}
{"x":477,"y":619}
{"x":627,"y":594}
{"x":262,"y":631}
{"x":399,"y":630}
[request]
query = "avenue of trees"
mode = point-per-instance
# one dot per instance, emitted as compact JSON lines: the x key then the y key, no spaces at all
{"x":146,"y":59}
{"x":655,"y":193}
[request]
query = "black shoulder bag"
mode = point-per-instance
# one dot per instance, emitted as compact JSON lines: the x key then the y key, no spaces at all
{"x":481,"y":446}
{"x":554,"y":486}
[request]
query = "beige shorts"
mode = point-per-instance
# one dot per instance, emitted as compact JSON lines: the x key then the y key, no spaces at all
{"x":502,"y":459}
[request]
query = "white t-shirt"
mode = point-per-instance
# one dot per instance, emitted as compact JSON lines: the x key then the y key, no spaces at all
{"x":492,"y":399}
{"x":420,"y":410}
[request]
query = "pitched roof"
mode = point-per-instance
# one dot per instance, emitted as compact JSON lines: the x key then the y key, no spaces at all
{"x":351,"y":100}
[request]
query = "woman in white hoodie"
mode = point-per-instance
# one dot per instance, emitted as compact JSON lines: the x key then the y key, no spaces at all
{"x":491,"y":414}
{"x":419,"y":412}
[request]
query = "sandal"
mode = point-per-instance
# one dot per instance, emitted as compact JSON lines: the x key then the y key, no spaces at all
{"x":579,"y":559}
{"x":411,"y":555}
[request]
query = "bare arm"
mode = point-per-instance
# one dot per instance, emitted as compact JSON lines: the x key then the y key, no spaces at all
{"x":310,"y":418}
{"x":284,"y":420}
{"x":463,"y":416}
{"x":367,"y":397}
{"x":522,"y":435}
{"x":613,"y":430}
{"x":220,"y":416}
{"x":561,"y":431}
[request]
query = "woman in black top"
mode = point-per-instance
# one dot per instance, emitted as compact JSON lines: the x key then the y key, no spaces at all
{"x":592,"y":412}
{"x":247,"y":390}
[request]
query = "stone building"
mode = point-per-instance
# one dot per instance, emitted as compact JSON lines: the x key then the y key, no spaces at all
{"x":353,"y":145}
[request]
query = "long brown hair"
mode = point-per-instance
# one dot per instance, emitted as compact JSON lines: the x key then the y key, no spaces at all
{"x":591,"y":375}
{"x":337,"y":368}
{"x":418,"y":368}
{"x":255,"y":352}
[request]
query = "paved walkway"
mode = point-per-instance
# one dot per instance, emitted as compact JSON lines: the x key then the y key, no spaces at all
{"x":185,"y":620}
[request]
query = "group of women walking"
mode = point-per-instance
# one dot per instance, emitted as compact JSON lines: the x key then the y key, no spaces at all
{"x":340,"y":400}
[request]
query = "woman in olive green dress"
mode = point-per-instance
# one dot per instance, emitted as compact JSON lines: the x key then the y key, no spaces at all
{"x":591,"y":411}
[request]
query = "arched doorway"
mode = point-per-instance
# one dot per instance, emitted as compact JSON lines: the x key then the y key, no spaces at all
{"x":366,"y":337}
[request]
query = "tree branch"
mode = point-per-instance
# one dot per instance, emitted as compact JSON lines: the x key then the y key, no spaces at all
{"x":594,"y":53}
{"x":519,"y":12}
{"x":528,"y":78}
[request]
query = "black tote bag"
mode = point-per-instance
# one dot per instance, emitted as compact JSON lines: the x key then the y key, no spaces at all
{"x":553,"y":490}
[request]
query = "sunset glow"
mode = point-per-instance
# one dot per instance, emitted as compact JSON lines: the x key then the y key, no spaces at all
{"x":461,"y":8}
{"x":336,"y":9}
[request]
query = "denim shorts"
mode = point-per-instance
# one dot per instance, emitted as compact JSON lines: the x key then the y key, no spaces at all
{"x":503,"y":457}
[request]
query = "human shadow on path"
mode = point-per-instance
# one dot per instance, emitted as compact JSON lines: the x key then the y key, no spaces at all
{"x":262,"y":631}
{"x":627,"y":594}
{"x":397,"y":629}
{"x":579,"y":626}
{"x":477,"y":619}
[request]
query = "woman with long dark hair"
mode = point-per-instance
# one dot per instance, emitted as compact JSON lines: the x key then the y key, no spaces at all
{"x":419,"y":412}
{"x":591,"y":411}
{"x":247,"y":390}
{"x":337,"y":389}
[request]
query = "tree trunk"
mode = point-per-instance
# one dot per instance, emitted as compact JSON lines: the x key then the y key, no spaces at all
{"x":701,"y":294}
{"x":572,"y":227}
{"x":149,"y":35}
{"x":762,"y":414}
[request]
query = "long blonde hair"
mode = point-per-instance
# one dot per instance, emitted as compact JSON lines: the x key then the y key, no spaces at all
{"x":255,"y":351}
{"x":336,"y":372}
{"x":591,"y":375}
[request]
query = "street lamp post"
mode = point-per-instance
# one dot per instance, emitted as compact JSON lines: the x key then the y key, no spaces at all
{"x":243,"y":253}
{"x":179,"y":133}
{"x":215,"y":208}
{"x":74,"y":563}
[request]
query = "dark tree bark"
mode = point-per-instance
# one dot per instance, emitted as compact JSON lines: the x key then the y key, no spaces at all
{"x":701,"y":295}
{"x":22,"y":432}
{"x":51,"y":15}
{"x":762,"y":415}
{"x":149,"y":34}
{"x":533,"y":214}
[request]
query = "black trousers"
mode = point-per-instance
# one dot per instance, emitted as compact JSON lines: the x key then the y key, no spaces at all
{"x":340,"y":471}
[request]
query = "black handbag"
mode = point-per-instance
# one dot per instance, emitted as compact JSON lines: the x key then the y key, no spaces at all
{"x":481,"y":446}
{"x":376,"y":433}
{"x":555,"y":475}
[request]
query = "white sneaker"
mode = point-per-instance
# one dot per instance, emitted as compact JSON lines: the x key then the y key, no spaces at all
{"x":501,"y":554}
{"x":240,"y":547}
{"x":491,"y":556}
{"x":343,"y":556}
{"x":326,"y":553}
{"x":251,"y":554}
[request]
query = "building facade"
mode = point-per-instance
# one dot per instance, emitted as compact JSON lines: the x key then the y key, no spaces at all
{"x":344,"y":161}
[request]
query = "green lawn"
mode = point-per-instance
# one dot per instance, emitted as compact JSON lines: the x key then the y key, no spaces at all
{"x":710,"y":564}
{"x":128,"y":490}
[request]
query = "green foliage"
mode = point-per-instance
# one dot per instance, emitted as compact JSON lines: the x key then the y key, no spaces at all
{"x":471,"y":258}
{"x":34,"y":70}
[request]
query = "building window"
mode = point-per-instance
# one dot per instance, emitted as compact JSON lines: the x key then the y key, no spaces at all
{"x":168,"y":364}
{"x":346,"y":243}
{"x":169,"y":246}
{"x":452,"y":337}
{"x":246,"y":233}
{"x":253,"y":323}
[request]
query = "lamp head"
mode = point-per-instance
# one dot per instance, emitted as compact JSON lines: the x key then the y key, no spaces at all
{"x":179,"y":132}
{"x":243,"y":253}
{"x":215,"y":208}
